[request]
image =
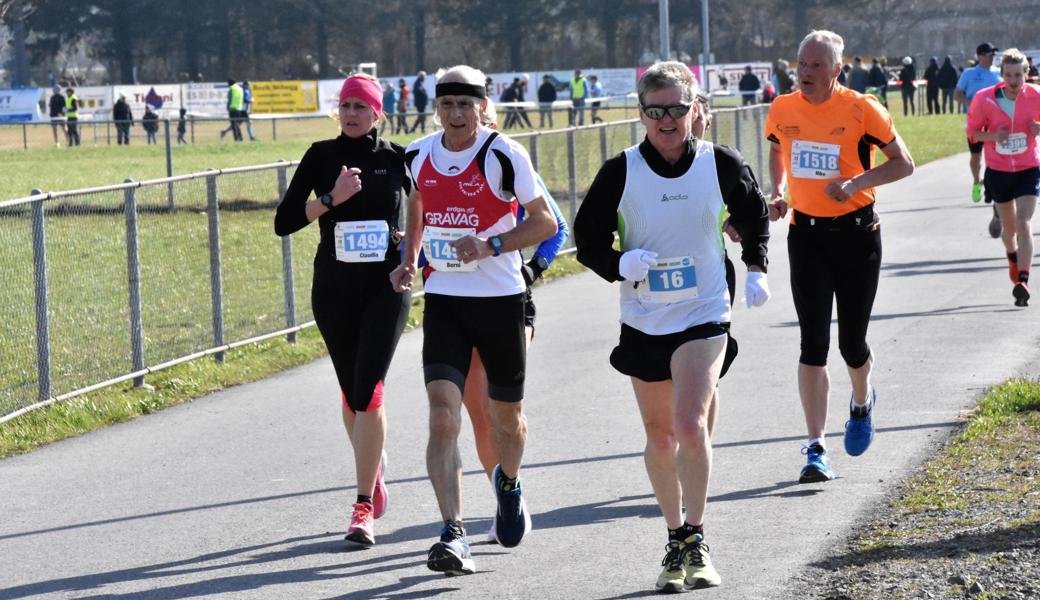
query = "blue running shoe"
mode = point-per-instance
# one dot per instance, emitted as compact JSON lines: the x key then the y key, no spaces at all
{"x":818,"y":466}
{"x":512,"y":521}
{"x":859,"y":429}
{"x":451,"y":554}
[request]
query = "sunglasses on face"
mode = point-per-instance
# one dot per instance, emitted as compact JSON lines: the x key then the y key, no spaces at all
{"x":657,"y":111}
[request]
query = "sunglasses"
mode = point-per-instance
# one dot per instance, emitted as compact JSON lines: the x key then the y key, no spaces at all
{"x":657,"y":111}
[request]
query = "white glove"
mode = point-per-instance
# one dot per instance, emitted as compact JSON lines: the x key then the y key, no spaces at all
{"x":756,"y":289}
{"x":635,"y":264}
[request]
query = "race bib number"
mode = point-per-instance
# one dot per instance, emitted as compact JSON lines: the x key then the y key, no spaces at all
{"x":670,"y":280}
{"x":362,"y":241}
{"x":814,"y":160}
{"x":1016,"y":143}
{"x":438,"y":250}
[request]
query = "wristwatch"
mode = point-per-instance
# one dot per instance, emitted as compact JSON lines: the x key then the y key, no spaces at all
{"x":326,"y":200}
{"x":541,"y":262}
{"x":496,"y":244}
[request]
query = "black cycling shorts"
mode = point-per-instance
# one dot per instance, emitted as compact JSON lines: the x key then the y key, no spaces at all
{"x":649,"y":357}
{"x":834,"y":259}
{"x":361,"y":325}
{"x":1003,"y":186}
{"x":454,"y":325}
{"x":975,"y":147}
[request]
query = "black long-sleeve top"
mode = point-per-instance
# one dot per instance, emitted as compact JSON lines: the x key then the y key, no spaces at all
{"x":596,"y":222}
{"x":383,"y":177}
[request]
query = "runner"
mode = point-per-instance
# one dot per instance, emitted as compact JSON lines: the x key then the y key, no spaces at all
{"x":475,"y":394}
{"x":357,"y":179}
{"x":982,"y":75}
{"x":1004,"y":119}
{"x":822,"y":147}
{"x":464,"y":211}
{"x":665,"y":198}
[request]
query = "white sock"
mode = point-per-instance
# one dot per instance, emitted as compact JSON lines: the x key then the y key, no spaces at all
{"x":866,"y":401}
{"x":818,"y":442}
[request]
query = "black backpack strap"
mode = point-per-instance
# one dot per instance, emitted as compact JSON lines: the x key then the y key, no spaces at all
{"x":508,"y":174}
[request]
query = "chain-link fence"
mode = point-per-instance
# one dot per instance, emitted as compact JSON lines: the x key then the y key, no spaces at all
{"x":108,"y":284}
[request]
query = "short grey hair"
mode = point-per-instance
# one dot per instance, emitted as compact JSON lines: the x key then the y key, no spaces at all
{"x":664,"y":75}
{"x":827,"y":38}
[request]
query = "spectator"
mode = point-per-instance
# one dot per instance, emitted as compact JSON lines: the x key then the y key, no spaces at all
{"x":782,"y":77}
{"x":879,"y":80}
{"x":402,"y":107}
{"x":749,"y":85}
{"x":57,"y":113}
{"x":488,"y":86}
{"x":235,"y":103}
{"x":150,"y":122}
{"x":182,"y":126}
{"x":723,"y":81}
{"x":389,"y":106}
{"x":507,"y":99}
{"x":124,"y":119}
{"x":908,"y":84}
{"x":1032,"y":73}
{"x":843,"y":74}
{"x":931,"y":77}
{"x":421,"y":99}
{"x":521,"y":96}
{"x":858,"y":76}
{"x":768,"y":93}
{"x":579,"y":92}
{"x":595,"y":91}
{"x":247,"y":109}
{"x":72,"y":116}
{"x":947,"y":82}
{"x":546,"y":97}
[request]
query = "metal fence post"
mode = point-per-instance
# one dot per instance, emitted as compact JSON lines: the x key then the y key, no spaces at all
{"x":737,"y":117}
{"x":169,"y":165}
{"x":534,"y":151}
{"x":634,"y":134}
{"x":274,"y":130}
{"x":215,"y":282}
{"x":25,"y":137}
{"x":572,"y":174}
{"x":108,"y":133}
{"x":43,"y":340}
{"x":191,"y":122}
{"x":287,"y":265}
{"x":133,"y":273}
{"x":603,"y":144}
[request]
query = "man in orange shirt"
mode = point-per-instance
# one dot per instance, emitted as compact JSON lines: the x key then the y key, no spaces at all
{"x":823,"y":138}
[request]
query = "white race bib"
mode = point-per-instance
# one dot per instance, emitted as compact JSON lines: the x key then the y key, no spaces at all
{"x":1016,"y":143}
{"x":438,"y":250}
{"x":670,"y":280}
{"x":814,"y":160}
{"x":362,"y":241}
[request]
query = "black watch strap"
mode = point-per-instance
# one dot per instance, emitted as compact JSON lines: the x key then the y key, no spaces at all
{"x":326,"y":200}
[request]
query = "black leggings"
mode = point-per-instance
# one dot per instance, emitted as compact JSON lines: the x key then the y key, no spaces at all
{"x":842,"y":264}
{"x":361,"y":328}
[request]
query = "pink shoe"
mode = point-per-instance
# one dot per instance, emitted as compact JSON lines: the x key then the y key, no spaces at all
{"x":380,"y":495}
{"x":360,"y":530}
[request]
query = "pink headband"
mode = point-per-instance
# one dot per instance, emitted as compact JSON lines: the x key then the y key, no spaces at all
{"x":365,"y":89}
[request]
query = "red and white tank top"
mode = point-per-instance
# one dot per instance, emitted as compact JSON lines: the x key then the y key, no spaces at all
{"x":458,"y":204}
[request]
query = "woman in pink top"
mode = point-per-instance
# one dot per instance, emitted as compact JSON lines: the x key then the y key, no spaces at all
{"x":1005,"y":117}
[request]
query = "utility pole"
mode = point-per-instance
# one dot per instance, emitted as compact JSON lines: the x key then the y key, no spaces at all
{"x":666,"y":50}
{"x":705,"y":44}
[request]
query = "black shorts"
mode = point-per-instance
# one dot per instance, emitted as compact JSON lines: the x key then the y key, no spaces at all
{"x":454,"y":325}
{"x":649,"y":357}
{"x":834,"y":261}
{"x":1003,"y":186}
{"x":975,"y":147}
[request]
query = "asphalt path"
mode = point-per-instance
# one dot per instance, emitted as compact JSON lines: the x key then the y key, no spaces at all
{"x":246,"y":493}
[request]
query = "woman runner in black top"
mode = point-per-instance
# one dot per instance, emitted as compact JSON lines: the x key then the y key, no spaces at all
{"x":357,"y":180}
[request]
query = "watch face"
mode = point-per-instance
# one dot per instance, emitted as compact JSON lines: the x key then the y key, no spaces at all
{"x":542,"y":263}
{"x":496,"y":243}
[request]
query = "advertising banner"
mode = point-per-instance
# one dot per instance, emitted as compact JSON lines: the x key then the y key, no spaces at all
{"x":205,"y":99}
{"x":285,"y":97}
{"x":615,"y":82}
{"x":20,"y":105}
{"x":164,"y":99}
{"x":95,"y":102}
{"x":723,"y":78}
